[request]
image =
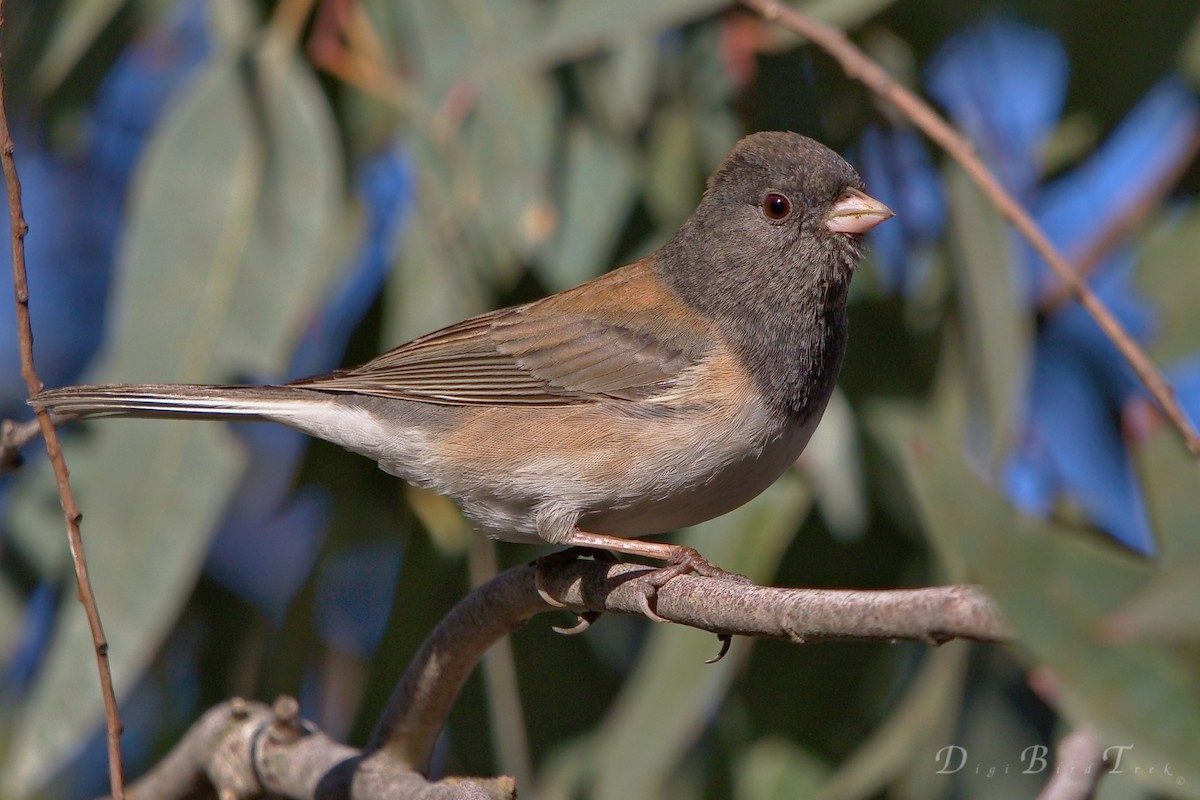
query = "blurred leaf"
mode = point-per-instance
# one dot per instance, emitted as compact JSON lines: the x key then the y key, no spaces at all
{"x":79,"y":24}
{"x":1169,"y":478}
{"x":1164,"y":609}
{"x":597,"y":196}
{"x":483,"y":206}
{"x":1055,"y":587}
{"x":448,"y":529}
{"x":573,"y":29}
{"x":845,"y":14}
{"x":1189,"y":53}
{"x":997,"y":330}
{"x":927,"y":709}
{"x":1169,"y":248}
{"x":225,"y":251}
{"x":832,"y":464}
{"x":509,"y":140}
{"x":672,"y":691}
{"x":442,"y":37}
{"x":625,"y":82}
{"x":777,"y":769}
{"x":429,"y":289}
{"x":672,"y":178}
{"x":11,"y":613}
{"x":434,"y":284}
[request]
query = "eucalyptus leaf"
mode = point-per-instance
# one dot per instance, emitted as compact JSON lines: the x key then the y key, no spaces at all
{"x":673,"y":179}
{"x":997,"y":330}
{"x":1056,"y":587}
{"x":1170,"y":480}
{"x":79,"y":24}
{"x":509,"y":141}
{"x":1170,"y":248}
{"x":574,"y":29}
{"x":845,"y":14}
{"x":1164,"y":609}
{"x":833,"y":465}
{"x":626,"y":83}
{"x":925,"y":711}
{"x":226,"y":250}
{"x":598,"y":193}
{"x":434,"y":284}
{"x":777,"y":769}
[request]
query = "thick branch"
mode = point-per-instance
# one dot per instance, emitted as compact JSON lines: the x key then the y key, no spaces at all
{"x":409,"y":725}
{"x":241,"y":749}
{"x":859,"y":66}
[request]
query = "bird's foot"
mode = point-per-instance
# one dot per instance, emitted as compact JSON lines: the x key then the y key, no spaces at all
{"x":683,"y":561}
{"x":555,"y":560}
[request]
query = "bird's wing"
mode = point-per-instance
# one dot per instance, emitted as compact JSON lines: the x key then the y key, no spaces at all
{"x":621,"y":336}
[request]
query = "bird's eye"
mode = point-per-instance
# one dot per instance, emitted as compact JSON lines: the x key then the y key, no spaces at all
{"x":776,"y":206}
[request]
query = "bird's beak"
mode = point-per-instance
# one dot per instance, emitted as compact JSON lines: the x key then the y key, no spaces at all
{"x":856,"y":212}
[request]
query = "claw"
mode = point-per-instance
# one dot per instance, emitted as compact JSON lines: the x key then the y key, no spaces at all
{"x":584,"y":622}
{"x":554,"y":559}
{"x":726,"y":640}
{"x":547,"y":598}
{"x":644,"y":604}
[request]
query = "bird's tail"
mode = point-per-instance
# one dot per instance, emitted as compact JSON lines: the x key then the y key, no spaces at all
{"x":170,"y":400}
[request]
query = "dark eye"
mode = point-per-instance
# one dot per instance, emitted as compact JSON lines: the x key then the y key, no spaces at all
{"x":776,"y":206}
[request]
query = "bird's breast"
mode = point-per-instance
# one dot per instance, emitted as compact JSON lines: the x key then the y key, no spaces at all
{"x":703,"y":447}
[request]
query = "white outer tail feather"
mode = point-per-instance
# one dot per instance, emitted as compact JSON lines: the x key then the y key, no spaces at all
{"x":153,"y":400}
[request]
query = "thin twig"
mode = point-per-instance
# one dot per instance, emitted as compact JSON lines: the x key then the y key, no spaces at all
{"x":70,"y":510}
{"x":859,"y":66}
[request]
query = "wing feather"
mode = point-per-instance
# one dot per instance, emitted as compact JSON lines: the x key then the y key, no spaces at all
{"x":560,"y":351}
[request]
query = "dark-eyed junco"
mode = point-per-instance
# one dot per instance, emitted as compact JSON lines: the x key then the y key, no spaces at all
{"x":660,"y":395}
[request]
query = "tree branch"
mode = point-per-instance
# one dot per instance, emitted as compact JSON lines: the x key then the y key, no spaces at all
{"x":1079,"y":766}
{"x":414,"y":715}
{"x":859,"y":66}
{"x":241,"y":749}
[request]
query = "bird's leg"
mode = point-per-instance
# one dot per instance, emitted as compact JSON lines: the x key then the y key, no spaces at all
{"x":680,"y":560}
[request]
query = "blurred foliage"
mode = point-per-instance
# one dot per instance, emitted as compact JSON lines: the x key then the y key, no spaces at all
{"x":238,"y":190}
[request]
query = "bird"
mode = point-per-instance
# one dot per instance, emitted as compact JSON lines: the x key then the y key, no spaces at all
{"x":659,"y":395}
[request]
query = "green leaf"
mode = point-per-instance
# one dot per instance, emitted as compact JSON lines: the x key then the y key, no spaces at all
{"x":624,"y":84}
{"x":926,"y":710}
{"x":509,"y":143}
{"x":1056,"y":587}
{"x":672,"y":179}
{"x":435,"y":283}
{"x":1189,"y":53}
{"x":844,"y":14}
{"x":1169,"y":248}
{"x":572,"y":29}
{"x":78,"y":24}
{"x":996,"y":329}
{"x":777,"y":769}
{"x":833,"y":466}
{"x":597,"y":196}
{"x":1165,"y":608}
{"x":226,"y":251}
